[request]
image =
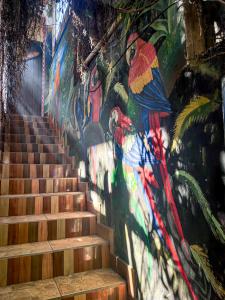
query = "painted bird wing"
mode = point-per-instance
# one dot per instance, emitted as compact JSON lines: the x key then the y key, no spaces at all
{"x":153,"y":96}
{"x":137,"y":156}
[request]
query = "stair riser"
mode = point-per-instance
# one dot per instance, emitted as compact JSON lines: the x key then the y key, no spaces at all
{"x":29,"y":124}
{"x":28,"y":118}
{"x":41,"y":205}
{"x":30,"y":131}
{"x":36,"y":139}
{"x":46,"y":230}
{"x":35,"y":158}
{"x":35,"y":186}
{"x":115,"y":293}
{"x":48,"y":265}
{"x":36,"y":171}
{"x":41,"y":148}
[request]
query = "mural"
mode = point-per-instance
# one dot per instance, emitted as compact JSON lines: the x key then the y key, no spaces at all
{"x":61,"y":79}
{"x":150,"y":130}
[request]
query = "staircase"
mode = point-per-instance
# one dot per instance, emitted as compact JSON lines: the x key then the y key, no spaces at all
{"x":48,"y":243}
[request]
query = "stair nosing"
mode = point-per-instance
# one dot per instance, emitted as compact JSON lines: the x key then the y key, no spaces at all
{"x":40,"y":194}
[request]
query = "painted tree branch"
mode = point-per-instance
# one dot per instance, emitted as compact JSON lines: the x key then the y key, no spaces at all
{"x":102,"y":42}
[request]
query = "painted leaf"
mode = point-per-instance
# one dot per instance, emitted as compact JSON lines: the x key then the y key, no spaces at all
{"x":213,"y":223}
{"x":160,"y":25}
{"x":156,"y":36}
{"x":120,"y":89}
{"x":202,"y":260}
{"x":196,"y":111}
{"x":171,"y":16}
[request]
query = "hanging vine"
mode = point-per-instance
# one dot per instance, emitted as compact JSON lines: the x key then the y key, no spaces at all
{"x":19,"y":22}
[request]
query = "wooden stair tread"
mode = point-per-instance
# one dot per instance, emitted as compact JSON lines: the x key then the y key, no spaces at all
{"x":38,"y":290}
{"x":47,"y":144}
{"x":84,"y":282}
{"x":78,"y":242}
{"x":42,"y":178}
{"x":32,"y":135}
{"x":24,"y":249}
{"x":63,"y":286}
{"x":27,"y":164}
{"x":46,"y":217}
{"x":50,"y":246}
{"x":16,"y":117}
{"x":70,"y":215}
{"x":40,"y":195}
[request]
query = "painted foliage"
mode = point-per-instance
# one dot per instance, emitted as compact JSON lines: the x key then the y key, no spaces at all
{"x":61,"y":82}
{"x":148,"y":130}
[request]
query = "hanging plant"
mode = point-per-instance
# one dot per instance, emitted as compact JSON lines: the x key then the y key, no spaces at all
{"x":19,"y":22}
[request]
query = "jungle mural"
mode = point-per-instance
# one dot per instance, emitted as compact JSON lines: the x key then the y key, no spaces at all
{"x":150,"y":130}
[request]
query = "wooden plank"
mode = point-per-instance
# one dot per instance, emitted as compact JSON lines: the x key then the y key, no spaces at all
{"x":3,"y":272}
{"x":47,"y":266}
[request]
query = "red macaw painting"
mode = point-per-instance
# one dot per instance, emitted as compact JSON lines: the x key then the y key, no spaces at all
{"x":147,"y":90}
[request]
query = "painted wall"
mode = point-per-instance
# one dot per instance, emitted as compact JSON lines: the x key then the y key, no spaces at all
{"x":151,"y":133}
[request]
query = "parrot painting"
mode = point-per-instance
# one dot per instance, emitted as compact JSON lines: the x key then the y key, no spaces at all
{"x":132,"y":150}
{"x":147,"y":90}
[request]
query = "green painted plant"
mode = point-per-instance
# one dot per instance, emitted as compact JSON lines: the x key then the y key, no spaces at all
{"x":170,"y":29}
{"x":202,"y":260}
{"x":213,"y":223}
{"x":197,"y":111}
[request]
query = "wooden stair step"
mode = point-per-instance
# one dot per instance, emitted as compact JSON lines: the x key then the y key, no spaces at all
{"x":15,"y":186}
{"x":35,"y":158}
{"x":102,"y":284}
{"x":45,"y":227}
{"x":32,"y":147}
{"x":36,"y":170}
{"x":23,"y":138}
{"x":35,"y":204}
{"x":29,"y":124}
{"x":38,"y":290}
{"x":30,"y":249}
{"x":92,"y":283}
{"x":64,"y":257}
{"x":32,"y":118}
{"x":30,"y":131}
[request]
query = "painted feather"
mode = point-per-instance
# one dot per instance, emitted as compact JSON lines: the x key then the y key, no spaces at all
{"x":196,"y":111}
{"x":202,"y":260}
